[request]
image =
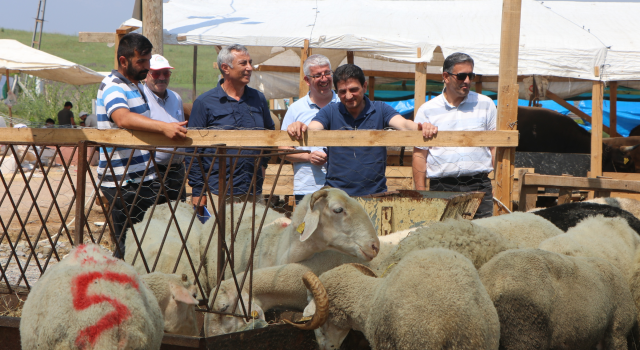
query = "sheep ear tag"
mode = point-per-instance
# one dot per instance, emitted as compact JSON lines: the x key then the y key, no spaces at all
{"x":309,"y":225}
{"x":181,"y":294}
{"x":300,"y":228}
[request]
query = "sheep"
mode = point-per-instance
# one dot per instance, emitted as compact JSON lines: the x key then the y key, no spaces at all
{"x":433,"y":300}
{"x":526,"y":229}
{"x":91,"y":300}
{"x":176,"y":298}
{"x":568,"y":215}
{"x":628,"y":204}
{"x":547,"y":300}
{"x":326,"y":219}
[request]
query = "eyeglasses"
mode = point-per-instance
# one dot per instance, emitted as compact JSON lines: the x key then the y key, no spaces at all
{"x":319,"y":76}
{"x":158,"y":73}
{"x":463,"y":76}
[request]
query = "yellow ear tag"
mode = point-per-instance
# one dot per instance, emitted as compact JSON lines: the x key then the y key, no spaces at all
{"x":300,"y":228}
{"x":626,"y":160}
{"x":254,"y":314}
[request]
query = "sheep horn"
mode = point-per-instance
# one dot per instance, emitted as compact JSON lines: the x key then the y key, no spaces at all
{"x":312,"y":282}
{"x":629,"y":148}
{"x":364,"y":269}
{"x":317,"y":195}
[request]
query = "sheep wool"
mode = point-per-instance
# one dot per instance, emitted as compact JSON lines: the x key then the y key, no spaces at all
{"x":547,"y":300}
{"x":525,"y":229}
{"x":433,"y":300}
{"x":91,"y":301}
{"x":628,"y":204}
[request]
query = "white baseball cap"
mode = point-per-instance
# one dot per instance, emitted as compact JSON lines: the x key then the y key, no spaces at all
{"x":159,"y":62}
{"x":83,"y":113}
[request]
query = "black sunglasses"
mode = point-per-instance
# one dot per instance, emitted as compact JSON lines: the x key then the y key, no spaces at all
{"x":463,"y":76}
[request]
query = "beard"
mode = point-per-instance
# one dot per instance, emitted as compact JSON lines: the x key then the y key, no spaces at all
{"x":136,"y":74}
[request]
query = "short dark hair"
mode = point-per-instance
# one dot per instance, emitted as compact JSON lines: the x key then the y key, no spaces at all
{"x":346,"y":72}
{"x":68,"y":104}
{"x":131,"y":43}
{"x":455,"y":58}
{"x":49,"y":120}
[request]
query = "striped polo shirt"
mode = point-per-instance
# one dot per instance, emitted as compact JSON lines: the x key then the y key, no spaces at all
{"x":475,"y":113}
{"x":117,"y":92}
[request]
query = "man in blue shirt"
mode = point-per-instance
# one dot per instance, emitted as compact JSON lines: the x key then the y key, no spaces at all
{"x":229,"y":106}
{"x":359,"y":171}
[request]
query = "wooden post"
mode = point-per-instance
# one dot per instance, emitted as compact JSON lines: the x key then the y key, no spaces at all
{"x":80,"y":193}
{"x":596,"y":128}
{"x":9,"y":89}
{"x":507,"y":98}
{"x":420,"y":93}
{"x":479,"y":84}
{"x":152,"y":24}
{"x":195,"y":72}
{"x":372,"y":88}
{"x":613,"y":109}
{"x":350,"y":57}
{"x":304,"y":54}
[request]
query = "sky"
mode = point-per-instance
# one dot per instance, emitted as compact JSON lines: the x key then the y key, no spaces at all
{"x":66,"y":16}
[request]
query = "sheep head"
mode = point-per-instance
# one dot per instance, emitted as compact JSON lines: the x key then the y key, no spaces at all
{"x":337,"y":221}
{"x":216,"y":324}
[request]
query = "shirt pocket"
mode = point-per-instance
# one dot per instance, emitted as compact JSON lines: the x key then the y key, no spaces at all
{"x":221,"y":117}
{"x":254,"y":117}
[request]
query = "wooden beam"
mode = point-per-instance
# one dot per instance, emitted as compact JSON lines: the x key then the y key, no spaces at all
{"x":507,"y":98}
{"x":575,"y":110}
{"x":92,"y":37}
{"x":304,"y":54}
{"x":613,"y":109}
{"x":596,"y":128}
{"x":9,"y":90}
{"x":152,"y":24}
{"x":420,"y":92}
{"x":479,"y":84}
{"x":350,"y":57}
{"x":264,"y":138}
{"x":120,"y":32}
{"x":585,"y":183}
{"x":124,"y":30}
{"x":281,"y":69}
{"x":372,"y":88}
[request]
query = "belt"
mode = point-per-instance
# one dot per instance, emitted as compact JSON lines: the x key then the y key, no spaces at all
{"x":479,"y":176}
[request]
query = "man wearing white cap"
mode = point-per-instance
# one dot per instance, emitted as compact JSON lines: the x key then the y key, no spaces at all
{"x":166,"y":106}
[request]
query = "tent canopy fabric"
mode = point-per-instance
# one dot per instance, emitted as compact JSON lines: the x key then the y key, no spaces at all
{"x":15,"y":56}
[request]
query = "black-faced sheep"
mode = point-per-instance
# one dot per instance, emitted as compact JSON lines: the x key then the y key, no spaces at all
{"x":628,"y":204}
{"x":433,"y":300}
{"x":91,"y":300}
{"x":547,"y":300}
{"x":569,"y":215}
{"x":525,"y":229}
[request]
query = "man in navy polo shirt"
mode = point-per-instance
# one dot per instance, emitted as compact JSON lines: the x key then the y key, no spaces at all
{"x":359,"y":171}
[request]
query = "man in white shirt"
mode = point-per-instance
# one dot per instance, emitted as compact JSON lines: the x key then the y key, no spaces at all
{"x":166,"y":106}
{"x":310,"y":168}
{"x":457,"y":169}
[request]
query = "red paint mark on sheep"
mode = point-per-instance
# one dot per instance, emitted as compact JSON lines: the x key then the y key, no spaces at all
{"x":284,"y":224}
{"x":81,"y":301}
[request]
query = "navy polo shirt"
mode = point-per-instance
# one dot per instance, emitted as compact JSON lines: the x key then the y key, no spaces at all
{"x":216,"y":110}
{"x":359,"y":171}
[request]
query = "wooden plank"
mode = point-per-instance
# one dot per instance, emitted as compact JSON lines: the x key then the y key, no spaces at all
{"x":94,"y":37}
{"x":507,"y":98}
{"x":564,"y":196}
{"x":580,"y":183}
{"x":304,"y":54}
{"x":479,"y":84}
{"x":623,"y":176}
{"x":265,"y":138}
{"x":391,"y":171}
{"x":372,"y":88}
{"x":282,"y":69}
{"x":420,"y":93}
{"x":613,"y":109}
{"x":152,"y":21}
{"x":124,"y":30}
{"x":596,"y":129}
{"x":350,"y":57}
{"x":575,"y":110}
{"x":386,"y":221}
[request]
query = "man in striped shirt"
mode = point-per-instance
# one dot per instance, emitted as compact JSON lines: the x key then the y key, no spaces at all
{"x":120,"y":104}
{"x":457,"y":169}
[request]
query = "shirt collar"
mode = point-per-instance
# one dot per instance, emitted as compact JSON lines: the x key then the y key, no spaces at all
{"x":334,"y":98}
{"x":156,"y":97}
{"x":449,"y":105}
{"x":369,"y":108}
{"x":121,"y":77}
{"x":218,"y":92}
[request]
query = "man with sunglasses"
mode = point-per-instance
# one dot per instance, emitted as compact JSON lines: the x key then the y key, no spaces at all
{"x":165,"y":106}
{"x":309,"y":169}
{"x":457,"y":169}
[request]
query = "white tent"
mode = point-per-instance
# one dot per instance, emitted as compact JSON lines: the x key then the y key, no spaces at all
{"x":15,"y":57}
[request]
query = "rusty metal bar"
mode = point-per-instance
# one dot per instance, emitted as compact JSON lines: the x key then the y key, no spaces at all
{"x":80,"y":192}
{"x":222,"y":193}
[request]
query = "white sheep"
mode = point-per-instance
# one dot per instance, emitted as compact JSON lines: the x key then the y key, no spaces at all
{"x":91,"y":300}
{"x":628,"y":204}
{"x":433,"y":300}
{"x":525,"y":229}
{"x":326,"y":219}
{"x":547,"y":300}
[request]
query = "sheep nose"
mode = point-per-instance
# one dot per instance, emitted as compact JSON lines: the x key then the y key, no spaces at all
{"x":375,"y":248}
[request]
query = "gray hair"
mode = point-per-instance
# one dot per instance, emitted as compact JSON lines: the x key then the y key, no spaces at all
{"x":455,"y":58}
{"x":314,"y":61}
{"x":225,"y":55}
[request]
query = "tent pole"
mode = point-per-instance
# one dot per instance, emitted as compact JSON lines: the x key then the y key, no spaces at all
{"x":349,"y":57}
{"x":479,"y":84}
{"x":596,"y":128}
{"x":304,"y":54}
{"x":613,"y":109}
{"x":507,"y":99}
{"x":8,"y":90}
{"x":195,"y":72}
{"x":152,"y":24}
{"x":420,"y":93}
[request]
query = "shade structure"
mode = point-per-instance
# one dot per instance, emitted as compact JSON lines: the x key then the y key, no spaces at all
{"x":15,"y":56}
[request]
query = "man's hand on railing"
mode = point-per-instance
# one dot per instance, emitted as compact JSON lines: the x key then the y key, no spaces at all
{"x":296,"y":130}
{"x":199,"y":203}
{"x":175,"y":131}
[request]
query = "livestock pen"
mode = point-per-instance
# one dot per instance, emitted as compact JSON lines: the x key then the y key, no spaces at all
{"x":48,"y":209}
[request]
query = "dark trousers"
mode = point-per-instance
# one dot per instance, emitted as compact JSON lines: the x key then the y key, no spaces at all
{"x":172,"y":183}
{"x":298,"y":198}
{"x":479,"y":182}
{"x":137,"y":209}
